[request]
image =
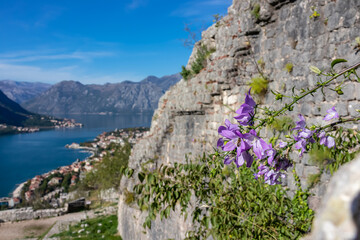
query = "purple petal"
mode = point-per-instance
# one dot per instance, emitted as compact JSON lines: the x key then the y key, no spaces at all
{"x":306,"y":133}
{"x":253,"y":132}
{"x":259,"y":148}
{"x":228,"y":134}
{"x":249,"y":100}
{"x":244,"y":119}
{"x":229,"y":146}
{"x":220,"y":142}
{"x":228,"y":160}
{"x":248,"y":158}
{"x":300,"y":124}
{"x":283,"y":144}
{"x":245,"y":109}
{"x":332,"y":113}
{"x":322,"y":141}
{"x":330,"y":142}
{"x":230,"y":126}
{"x":221,"y":128}
{"x":321,"y":134}
{"x":239,"y":158}
{"x":244,"y":146}
{"x":271,"y":155}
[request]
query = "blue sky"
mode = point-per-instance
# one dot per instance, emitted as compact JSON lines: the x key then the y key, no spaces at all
{"x":95,"y":41}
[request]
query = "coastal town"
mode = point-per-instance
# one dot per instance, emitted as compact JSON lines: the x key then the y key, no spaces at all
{"x":52,"y":188}
{"x":54,"y":123}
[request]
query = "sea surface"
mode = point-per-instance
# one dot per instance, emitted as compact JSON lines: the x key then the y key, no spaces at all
{"x":22,"y":156}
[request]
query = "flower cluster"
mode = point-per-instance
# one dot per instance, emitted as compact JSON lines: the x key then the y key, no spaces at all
{"x":305,"y":136}
{"x":245,"y":147}
{"x":241,"y":147}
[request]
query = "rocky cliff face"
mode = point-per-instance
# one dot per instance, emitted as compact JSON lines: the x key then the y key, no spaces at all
{"x":190,"y":113}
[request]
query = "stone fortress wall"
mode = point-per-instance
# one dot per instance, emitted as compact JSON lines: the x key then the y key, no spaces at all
{"x":190,"y":112}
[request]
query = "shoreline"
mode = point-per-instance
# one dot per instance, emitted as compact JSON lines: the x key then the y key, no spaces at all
{"x":16,"y":193}
{"x":116,"y":136}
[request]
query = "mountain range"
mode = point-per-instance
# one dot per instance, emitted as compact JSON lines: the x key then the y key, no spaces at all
{"x":22,"y":91}
{"x":72,"y":97}
{"x":11,"y":113}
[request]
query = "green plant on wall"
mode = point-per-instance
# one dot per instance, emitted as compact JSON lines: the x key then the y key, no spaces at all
{"x":259,"y":85}
{"x":261,"y":63}
{"x":313,"y":179}
{"x":289,"y":67}
{"x":282,"y":124}
{"x":203,"y":53}
{"x":217,"y":19}
{"x":185,"y":73}
{"x":315,"y":14}
{"x":255,"y":12}
{"x":357,"y":44}
{"x":320,"y":155}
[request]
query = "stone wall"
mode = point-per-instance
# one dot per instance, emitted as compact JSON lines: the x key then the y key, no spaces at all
{"x":29,"y":213}
{"x":190,"y":113}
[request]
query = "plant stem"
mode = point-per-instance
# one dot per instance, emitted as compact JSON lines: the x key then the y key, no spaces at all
{"x":340,"y":121}
{"x":282,"y":110}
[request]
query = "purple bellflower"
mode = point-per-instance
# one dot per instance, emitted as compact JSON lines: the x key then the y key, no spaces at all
{"x":234,"y":141}
{"x":282,"y":144}
{"x":246,"y":111}
{"x":327,"y":141}
{"x":332,"y":113}
{"x":271,"y":176}
{"x":304,"y":136}
{"x":229,"y":127}
{"x":300,"y":125}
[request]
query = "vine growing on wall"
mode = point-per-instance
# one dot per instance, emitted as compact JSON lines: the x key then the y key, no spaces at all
{"x":236,"y":192}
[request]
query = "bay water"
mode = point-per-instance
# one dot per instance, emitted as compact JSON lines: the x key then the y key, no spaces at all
{"x":22,"y":156}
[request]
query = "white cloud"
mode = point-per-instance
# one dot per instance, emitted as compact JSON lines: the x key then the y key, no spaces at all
{"x":33,"y":74}
{"x":29,"y":56}
{"x":38,"y":74}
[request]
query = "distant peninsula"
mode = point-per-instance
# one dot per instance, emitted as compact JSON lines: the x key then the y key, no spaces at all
{"x":16,"y":119}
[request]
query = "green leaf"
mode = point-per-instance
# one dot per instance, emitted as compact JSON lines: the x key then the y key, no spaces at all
{"x":141,"y":176}
{"x":150,"y":178}
{"x":130,"y":173}
{"x":315,"y":70}
{"x":336,"y":61}
{"x":167,"y":212}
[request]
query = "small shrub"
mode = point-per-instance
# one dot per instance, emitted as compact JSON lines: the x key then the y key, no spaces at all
{"x":217,"y":18}
{"x":256,"y":11}
{"x":186,"y":74}
{"x":320,"y":155}
{"x":259,"y":85}
{"x":289,"y":67}
{"x":202,"y":55}
{"x":282,"y":124}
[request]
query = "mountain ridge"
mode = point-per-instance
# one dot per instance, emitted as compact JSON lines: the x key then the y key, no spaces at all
{"x":22,"y":91}
{"x":73,"y":97}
